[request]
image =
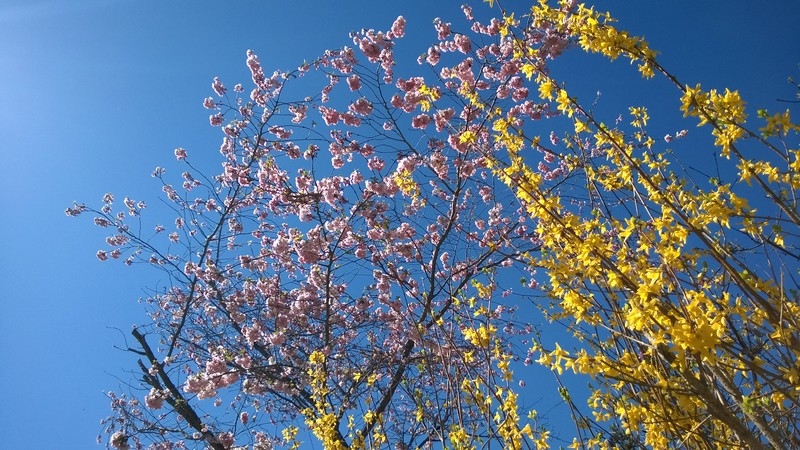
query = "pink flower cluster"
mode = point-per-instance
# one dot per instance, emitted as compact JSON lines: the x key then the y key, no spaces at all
{"x":332,"y":117}
{"x":218,"y":87}
{"x":180,"y":154}
{"x":412,"y":96}
{"x":215,"y":376}
{"x":354,"y":82}
{"x":420,"y":121}
{"x":119,"y":440}
{"x":342,"y":60}
{"x":398,"y":29}
{"x":155,"y":399}
{"x":361,"y":106}
{"x":299,"y":112}
{"x":266,"y":88}
{"x":377,"y":46}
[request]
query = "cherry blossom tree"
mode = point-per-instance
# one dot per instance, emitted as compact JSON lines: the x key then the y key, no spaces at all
{"x":341,"y":272}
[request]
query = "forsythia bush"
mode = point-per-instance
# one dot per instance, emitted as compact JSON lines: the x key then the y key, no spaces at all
{"x":683,"y":290}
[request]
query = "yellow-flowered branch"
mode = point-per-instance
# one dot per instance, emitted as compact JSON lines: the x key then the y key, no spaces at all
{"x":684,"y":293}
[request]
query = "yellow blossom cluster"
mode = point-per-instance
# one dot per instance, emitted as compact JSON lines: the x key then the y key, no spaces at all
{"x":682,"y":290}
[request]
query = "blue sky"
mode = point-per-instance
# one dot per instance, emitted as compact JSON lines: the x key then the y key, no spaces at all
{"x":98,"y":92}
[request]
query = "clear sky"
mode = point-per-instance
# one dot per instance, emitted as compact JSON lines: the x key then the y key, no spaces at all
{"x":96,"y":93}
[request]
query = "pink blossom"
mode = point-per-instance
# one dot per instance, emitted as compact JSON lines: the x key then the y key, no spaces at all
{"x":352,"y":120}
{"x":544,"y":168}
{"x":244,"y":360}
{"x":486,"y":194}
{"x":463,"y":43}
{"x":354,"y":82}
{"x":180,"y":154}
{"x":407,"y":164}
{"x":218,"y":87}
{"x":438,"y":163}
{"x":442,"y":118}
{"x":208,"y":103}
{"x":366,"y":150}
{"x":304,"y":213}
{"x":376,"y":164}
{"x":445,"y":259}
{"x":330,"y":116}
{"x":399,"y":27}
{"x":226,"y":439}
{"x":292,"y":151}
{"x":311,"y":151}
{"x":361,"y":106}
{"x":303,"y":182}
{"x":254,"y":64}
{"x":119,"y":440}
{"x":216,"y":119}
{"x":397,"y":101}
{"x":467,"y":169}
{"x":463,"y":71}
{"x":433,"y":56}
{"x":455,"y":142}
{"x":553,"y":44}
{"x":101,"y":222}
{"x":280,"y":132}
{"x":356,"y":177}
{"x":371,"y":51}
{"x":519,"y":94}
{"x":553,"y":138}
{"x":299,"y":112}
{"x":494,"y":27}
{"x":503,"y":91}
{"x":421,"y":121}
{"x":276,"y":338}
{"x":281,"y":245}
{"x":412,"y":84}
{"x":467,"y":12}
{"x":442,"y":28}
{"x":154,"y":399}
{"x":102,"y":255}
{"x":375,"y":234}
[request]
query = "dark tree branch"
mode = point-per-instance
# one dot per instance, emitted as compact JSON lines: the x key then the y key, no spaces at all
{"x":176,"y":398}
